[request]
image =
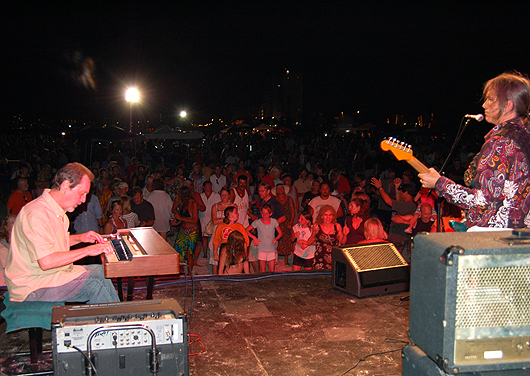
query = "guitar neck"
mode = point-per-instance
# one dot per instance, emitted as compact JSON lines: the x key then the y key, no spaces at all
{"x":417,"y":165}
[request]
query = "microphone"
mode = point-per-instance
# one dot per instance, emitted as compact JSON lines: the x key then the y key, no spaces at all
{"x":478,"y":117}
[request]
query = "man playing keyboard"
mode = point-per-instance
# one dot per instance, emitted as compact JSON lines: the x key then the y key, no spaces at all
{"x":40,"y":265}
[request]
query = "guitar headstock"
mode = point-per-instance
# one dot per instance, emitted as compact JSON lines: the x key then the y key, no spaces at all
{"x":401,"y":151}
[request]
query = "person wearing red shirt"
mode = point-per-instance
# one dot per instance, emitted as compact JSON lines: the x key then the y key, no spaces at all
{"x":19,"y":197}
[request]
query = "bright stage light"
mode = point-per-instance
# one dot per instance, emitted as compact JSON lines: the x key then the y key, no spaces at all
{"x":132,"y":95}
{"x":183,"y":113}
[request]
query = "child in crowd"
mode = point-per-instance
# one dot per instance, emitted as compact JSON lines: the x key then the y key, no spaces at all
{"x":233,"y":258}
{"x":265,"y":241}
{"x":224,"y":229}
{"x":304,"y":250}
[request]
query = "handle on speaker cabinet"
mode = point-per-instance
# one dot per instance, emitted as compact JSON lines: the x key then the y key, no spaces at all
{"x":447,"y":258}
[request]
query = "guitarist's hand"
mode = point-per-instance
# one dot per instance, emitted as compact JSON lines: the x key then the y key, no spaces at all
{"x":429,"y":179}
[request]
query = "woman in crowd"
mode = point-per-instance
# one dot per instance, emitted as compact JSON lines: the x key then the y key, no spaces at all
{"x":229,"y":171}
{"x":291,"y":191}
{"x":218,"y":215}
{"x":233,"y":258}
{"x":106,"y":195}
{"x":285,"y":245}
{"x":209,"y":198}
{"x":186,"y":211}
{"x":130,"y":217}
{"x":102,"y":181}
{"x":354,"y":226}
{"x":373,"y":232}
{"x":180,"y":175}
{"x":115,"y":222}
{"x":328,"y":233}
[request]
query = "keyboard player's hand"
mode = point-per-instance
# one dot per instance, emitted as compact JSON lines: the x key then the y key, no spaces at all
{"x":91,"y":237}
{"x":97,"y":249}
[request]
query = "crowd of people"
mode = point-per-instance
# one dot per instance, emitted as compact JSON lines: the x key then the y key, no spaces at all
{"x":278,"y":195}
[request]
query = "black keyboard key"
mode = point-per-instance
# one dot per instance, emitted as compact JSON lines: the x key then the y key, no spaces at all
{"x":121,"y":250}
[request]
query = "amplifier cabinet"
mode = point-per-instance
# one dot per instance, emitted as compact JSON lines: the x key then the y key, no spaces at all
{"x":470,"y":300}
{"x":128,"y":338}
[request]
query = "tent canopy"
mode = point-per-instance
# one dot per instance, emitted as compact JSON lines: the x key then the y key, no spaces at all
{"x":166,"y":133}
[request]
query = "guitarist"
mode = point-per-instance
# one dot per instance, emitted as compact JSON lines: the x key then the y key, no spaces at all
{"x":499,"y":196}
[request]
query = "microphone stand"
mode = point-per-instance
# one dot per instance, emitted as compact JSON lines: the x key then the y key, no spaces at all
{"x":455,"y":143}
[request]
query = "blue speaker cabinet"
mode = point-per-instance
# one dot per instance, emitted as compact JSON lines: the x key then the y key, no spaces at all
{"x":470,"y":300}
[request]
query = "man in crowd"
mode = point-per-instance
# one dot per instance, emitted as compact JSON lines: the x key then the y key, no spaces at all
{"x":218,"y":180}
{"x":142,"y":208}
{"x":403,"y":205}
{"x":239,"y":197}
{"x":311,"y":194}
{"x":265,"y":197}
{"x":302,"y":185}
{"x":325,"y":198}
{"x":40,"y":265}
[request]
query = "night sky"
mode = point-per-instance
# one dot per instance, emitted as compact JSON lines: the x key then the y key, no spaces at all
{"x":211,"y":58}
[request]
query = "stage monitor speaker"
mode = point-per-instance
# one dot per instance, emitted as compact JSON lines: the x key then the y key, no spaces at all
{"x":470,"y":300}
{"x":369,"y":269}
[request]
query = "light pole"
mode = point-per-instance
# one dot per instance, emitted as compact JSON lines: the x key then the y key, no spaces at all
{"x":131,"y":95}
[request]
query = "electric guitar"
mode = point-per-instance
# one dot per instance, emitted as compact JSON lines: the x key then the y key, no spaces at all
{"x":403,"y":152}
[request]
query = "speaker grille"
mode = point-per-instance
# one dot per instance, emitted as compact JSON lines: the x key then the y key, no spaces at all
{"x":374,"y":256}
{"x":493,"y":297}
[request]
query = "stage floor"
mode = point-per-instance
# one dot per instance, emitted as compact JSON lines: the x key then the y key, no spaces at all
{"x":279,"y":324}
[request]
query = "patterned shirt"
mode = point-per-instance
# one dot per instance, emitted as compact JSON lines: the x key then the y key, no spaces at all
{"x":500,"y":195}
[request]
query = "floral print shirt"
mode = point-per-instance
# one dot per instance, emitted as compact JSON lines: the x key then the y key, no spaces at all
{"x":500,"y":195}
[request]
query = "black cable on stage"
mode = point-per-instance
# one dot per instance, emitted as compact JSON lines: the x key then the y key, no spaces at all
{"x":378,"y":353}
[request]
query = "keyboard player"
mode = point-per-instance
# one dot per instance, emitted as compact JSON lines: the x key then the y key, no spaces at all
{"x":40,"y":265}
